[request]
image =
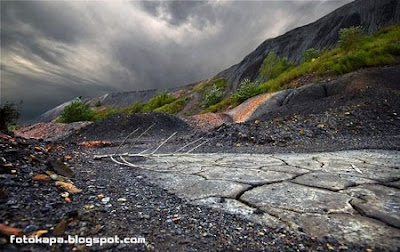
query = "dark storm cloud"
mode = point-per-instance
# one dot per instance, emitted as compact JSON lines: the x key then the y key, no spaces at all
{"x":199,"y":13}
{"x":54,"y":51}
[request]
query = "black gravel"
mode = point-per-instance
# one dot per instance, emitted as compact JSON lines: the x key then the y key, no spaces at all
{"x":119,"y":126}
{"x":368,"y":119}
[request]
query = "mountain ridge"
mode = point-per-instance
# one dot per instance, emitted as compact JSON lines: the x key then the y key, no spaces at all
{"x":320,"y":34}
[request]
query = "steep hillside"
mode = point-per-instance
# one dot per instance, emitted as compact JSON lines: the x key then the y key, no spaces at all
{"x":323,"y":33}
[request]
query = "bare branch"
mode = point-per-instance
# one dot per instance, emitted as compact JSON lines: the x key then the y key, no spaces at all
{"x":197,"y":146}
{"x":149,"y":155}
{"x":116,"y":161}
{"x":128,"y":163}
{"x":166,"y":140}
{"x":133,"y":132}
{"x":188,"y":145}
{"x":142,"y":134}
{"x":142,"y":152}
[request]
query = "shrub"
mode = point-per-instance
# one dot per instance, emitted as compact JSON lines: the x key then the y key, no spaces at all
{"x":135,"y":108}
{"x":220,"y":83}
{"x":158,"y":101}
{"x":213,"y":96}
{"x":77,"y":111}
{"x":8,"y":116}
{"x":220,"y":106}
{"x":273,"y":66}
{"x":311,"y":54}
{"x":247,"y":89}
{"x":98,"y":103}
{"x":349,"y":38}
{"x":173,"y":107}
{"x":106,"y":112}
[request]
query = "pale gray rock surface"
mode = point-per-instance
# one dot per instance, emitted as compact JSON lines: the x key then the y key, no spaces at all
{"x":353,"y":196}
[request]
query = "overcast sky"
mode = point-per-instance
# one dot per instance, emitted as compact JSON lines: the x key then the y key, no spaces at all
{"x":52,"y":51}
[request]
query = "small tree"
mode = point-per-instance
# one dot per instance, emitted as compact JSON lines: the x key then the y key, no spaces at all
{"x":158,"y":101}
{"x":213,"y":96}
{"x":350,"y":37}
{"x":311,"y":54}
{"x":247,"y":89}
{"x":77,"y":111}
{"x":273,"y":66}
{"x":8,"y":116}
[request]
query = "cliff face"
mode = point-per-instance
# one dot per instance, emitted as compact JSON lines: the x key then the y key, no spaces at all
{"x":323,"y":33}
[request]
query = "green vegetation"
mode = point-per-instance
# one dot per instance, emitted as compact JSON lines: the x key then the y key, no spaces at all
{"x":98,"y":103}
{"x":311,"y":54}
{"x":77,"y":111}
{"x":173,"y":107}
{"x":213,"y":96}
{"x":273,"y":66}
{"x":9,"y":115}
{"x":104,"y":113}
{"x":211,"y":92}
{"x":349,"y":38}
{"x":354,"y":52}
{"x":247,"y":89}
{"x":220,"y":83}
{"x":158,"y":101}
{"x":219,"y":106}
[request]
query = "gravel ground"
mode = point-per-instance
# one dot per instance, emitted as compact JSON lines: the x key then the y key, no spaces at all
{"x":119,"y":126}
{"x":367,"y":119}
{"x":130,"y":207}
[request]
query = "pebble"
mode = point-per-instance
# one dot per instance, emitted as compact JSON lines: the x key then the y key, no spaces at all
{"x":105,"y":200}
{"x":121,"y":200}
{"x":30,"y":229}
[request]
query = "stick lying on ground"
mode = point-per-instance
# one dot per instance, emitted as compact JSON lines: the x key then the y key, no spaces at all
{"x":123,"y":141}
{"x":153,"y":153}
{"x":142,"y":134}
{"x":166,"y":140}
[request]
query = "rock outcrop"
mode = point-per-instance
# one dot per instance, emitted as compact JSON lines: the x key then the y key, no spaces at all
{"x":315,"y":97}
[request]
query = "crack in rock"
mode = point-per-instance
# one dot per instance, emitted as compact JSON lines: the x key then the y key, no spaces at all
{"x":319,"y":192}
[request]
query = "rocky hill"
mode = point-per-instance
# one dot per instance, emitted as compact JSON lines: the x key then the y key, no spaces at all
{"x":323,"y":33}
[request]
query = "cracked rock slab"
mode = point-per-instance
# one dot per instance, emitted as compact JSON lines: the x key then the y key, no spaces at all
{"x":304,"y":161}
{"x":352,"y":196}
{"x":360,"y":169}
{"x":344,"y":227}
{"x":247,"y":176}
{"x":378,"y":202}
{"x":394,"y":184}
{"x":236,"y":207}
{"x":285,"y":168}
{"x":194,"y":187}
{"x":298,"y":198}
{"x":331,"y":181}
